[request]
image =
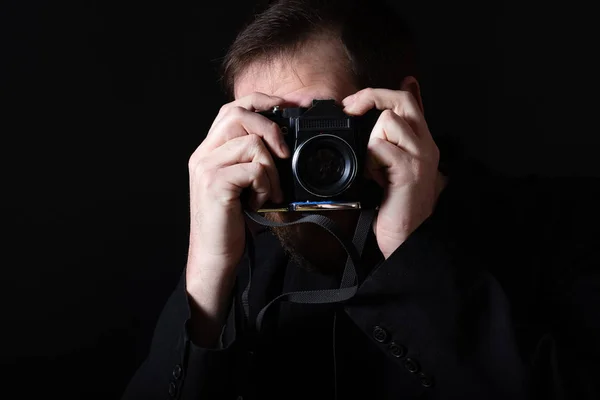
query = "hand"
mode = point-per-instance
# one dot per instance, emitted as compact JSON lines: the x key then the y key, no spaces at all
{"x":403,"y":159}
{"x":235,"y":155}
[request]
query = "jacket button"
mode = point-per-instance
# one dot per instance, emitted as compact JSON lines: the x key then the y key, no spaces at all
{"x":411,"y":365}
{"x":177,"y":371}
{"x":172,"y":389}
{"x":426,"y":380}
{"x":379,"y":334}
{"x":397,"y":350}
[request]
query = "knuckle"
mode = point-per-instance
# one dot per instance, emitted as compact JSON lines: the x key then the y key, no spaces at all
{"x":274,"y":127}
{"x":224,"y":108}
{"x":260,"y":168}
{"x":236,"y":112}
{"x":254,"y":140}
{"x":195,"y":162}
{"x":258,"y":171}
{"x":405,"y":96}
{"x":388,"y":115}
{"x":231,"y":112}
{"x":364,"y":94}
{"x":233,"y":116}
{"x":368,"y":92}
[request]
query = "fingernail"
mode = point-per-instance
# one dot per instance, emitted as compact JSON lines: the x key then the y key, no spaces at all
{"x":349,"y":109}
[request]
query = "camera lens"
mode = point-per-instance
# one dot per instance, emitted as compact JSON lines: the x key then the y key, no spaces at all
{"x":325,"y":165}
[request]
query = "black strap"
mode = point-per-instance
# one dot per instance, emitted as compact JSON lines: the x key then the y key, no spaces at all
{"x":249,"y":254}
{"x":349,"y":283}
{"x":361,"y":232}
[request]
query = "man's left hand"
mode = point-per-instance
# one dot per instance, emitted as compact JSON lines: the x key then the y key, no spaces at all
{"x":403,"y":159}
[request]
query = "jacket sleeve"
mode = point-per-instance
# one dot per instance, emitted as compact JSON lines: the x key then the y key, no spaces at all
{"x":446,"y":320}
{"x":449,"y":333}
{"x":175,"y":367}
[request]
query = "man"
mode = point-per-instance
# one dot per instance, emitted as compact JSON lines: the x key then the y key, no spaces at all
{"x":461,"y":296}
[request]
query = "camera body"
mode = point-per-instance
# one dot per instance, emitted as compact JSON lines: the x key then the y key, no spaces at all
{"x":326,"y":169}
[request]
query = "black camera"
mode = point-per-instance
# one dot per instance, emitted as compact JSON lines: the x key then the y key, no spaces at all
{"x":326,"y":169}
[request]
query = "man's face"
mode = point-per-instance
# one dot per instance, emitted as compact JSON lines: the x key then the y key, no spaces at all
{"x":317,"y":72}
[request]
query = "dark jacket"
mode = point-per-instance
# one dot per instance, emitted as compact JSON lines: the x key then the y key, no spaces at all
{"x":495,"y":296}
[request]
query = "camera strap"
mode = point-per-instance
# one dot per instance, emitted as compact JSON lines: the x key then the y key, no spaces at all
{"x":349,"y":282}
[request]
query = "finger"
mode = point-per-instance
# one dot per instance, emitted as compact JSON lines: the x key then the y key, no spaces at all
{"x":257,"y":101}
{"x":241,"y":122}
{"x":374,"y":171}
{"x":253,"y":102}
{"x":236,"y":178}
{"x":387,"y":163}
{"x":244,"y":149}
{"x":401,"y":102}
{"x":395,"y":130}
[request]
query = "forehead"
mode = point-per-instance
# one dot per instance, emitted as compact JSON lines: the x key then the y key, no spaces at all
{"x":317,"y":71}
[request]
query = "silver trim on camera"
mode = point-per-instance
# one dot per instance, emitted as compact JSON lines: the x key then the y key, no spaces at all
{"x":326,"y":207}
{"x":311,"y":206}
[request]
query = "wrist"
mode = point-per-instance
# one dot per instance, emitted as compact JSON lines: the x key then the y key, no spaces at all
{"x":209,"y":297}
{"x":207,"y":283}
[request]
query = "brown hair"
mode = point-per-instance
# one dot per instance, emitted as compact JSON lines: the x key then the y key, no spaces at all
{"x":379,"y":45}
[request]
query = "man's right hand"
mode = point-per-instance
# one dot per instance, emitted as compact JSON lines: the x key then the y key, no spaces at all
{"x":235,"y":155}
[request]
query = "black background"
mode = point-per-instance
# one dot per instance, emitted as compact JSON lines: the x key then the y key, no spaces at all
{"x":104,"y":101}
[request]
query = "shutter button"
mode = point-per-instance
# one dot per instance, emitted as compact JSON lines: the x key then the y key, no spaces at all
{"x":380,"y":334}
